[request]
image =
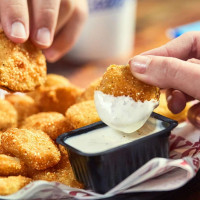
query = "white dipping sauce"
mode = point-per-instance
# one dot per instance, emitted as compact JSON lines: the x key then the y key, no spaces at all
{"x":123,"y":113}
{"x":106,"y":138}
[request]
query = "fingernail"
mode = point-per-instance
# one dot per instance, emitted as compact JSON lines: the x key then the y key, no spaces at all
{"x":43,"y":37}
{"x":169,"y":98}
{"x":18,"y":30}
{"x":139,"y":63}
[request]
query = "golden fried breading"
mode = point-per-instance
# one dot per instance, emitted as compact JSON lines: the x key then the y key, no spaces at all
{"x":61,"y":173}
{"x":11,"y":184}
{"x":82,"y":114}
{"x":57,"y":99}
{"x":88,"y":93}
{"x":34,"y":147}
{"x":22,"y":66}
{"x":162,"y":109}
{"x":119,"y":81}
{"x":1,"y":148}
{"x":56,"y":80}
{"x":24,"y":105}
{"x":11,"y":166}
{"x":8,"y":115}
{"x":52,"y":123}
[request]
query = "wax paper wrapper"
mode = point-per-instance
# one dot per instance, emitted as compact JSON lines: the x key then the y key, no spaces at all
{"x":158,"y":174}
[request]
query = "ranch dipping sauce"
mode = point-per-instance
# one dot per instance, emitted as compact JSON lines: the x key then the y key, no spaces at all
{"x":106,"y":138}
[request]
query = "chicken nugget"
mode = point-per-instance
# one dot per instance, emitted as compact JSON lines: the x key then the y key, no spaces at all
{"x":82,"y":114}
{"x":56,"y":80}
{"x":11,"y":184}
{"x":23,"y":66}
{"x":61,"y":173}
{"x":52,"y":123}
{"x":123,"y":102}
{"x":162,"y":109}
{"x":34,"y":147}
{"x":24,"y":105}
{"x":88,"y":93}
{"x":57,"y":99}
{"x":57,"y":94}
{"x":11,"y":166}
{"x":8,"y":115}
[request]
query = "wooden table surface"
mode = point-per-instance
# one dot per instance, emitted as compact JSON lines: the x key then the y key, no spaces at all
{"x":154,"y":17}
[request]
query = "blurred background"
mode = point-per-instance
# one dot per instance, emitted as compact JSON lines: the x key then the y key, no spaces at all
{"x":116,"y":30}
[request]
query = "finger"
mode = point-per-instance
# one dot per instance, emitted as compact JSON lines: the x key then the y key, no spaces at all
{"x":194,"y":115}
{"x":176,"y":101}
{"x":67,"y":37}
{"x":167,"y":73}
{"x":15,"y":19}
{"x":65,"y":12}
{"x":43,"y":21}
{"x":184,"y":47}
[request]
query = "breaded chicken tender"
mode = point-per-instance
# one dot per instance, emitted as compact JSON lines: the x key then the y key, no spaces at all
{"x":162,"y":109}
{"x":88,"y":93}
{"x":119,"y":81}
{"x":11,"y":166}
{"x":8,"y":115}
{"x":35,"y":148}
{"x":11,"y":184}
{"x":52,"y":123}
{"x":56,"y":80}
{"x":24,"y":105}
{"x":57,"y":98}
{"x":82,"y":114}
{"x":22,"y":66}
{"x":61,"y":173}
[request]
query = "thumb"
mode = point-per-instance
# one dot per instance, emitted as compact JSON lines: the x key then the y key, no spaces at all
{"x":167,"y":72}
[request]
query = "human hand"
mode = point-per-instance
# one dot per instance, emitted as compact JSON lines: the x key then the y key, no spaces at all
{"x":52,"y":25}
{"x":175,"y":65}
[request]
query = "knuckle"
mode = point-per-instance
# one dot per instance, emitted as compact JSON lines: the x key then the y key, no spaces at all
{"x":81,"y":13}
{"x":170,"y":69}
{"x":67,"y":4}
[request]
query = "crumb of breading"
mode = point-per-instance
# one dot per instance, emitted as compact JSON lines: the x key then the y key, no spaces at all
{"x":24,"y":105}
{"x":82,"y":114}
{"x":8,"y":115}
{"x":22,"y":66}
{"x":119,"y":81}
{"x":34,"y":147}
{"x":11,"y":184}
{"x":52,"y":123}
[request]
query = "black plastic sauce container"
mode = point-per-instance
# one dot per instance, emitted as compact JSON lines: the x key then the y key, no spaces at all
{"x":102,"y":171}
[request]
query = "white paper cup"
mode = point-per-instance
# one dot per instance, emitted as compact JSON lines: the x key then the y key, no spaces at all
{"x":109,"y":31}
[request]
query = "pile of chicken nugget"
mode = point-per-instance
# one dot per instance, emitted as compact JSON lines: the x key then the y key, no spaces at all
{"x":30,"y":124}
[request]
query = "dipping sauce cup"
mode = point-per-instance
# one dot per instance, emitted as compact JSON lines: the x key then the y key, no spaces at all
{"x":101,"y":157}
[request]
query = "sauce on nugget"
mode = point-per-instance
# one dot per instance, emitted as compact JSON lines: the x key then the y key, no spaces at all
{"x":123,"y":102}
